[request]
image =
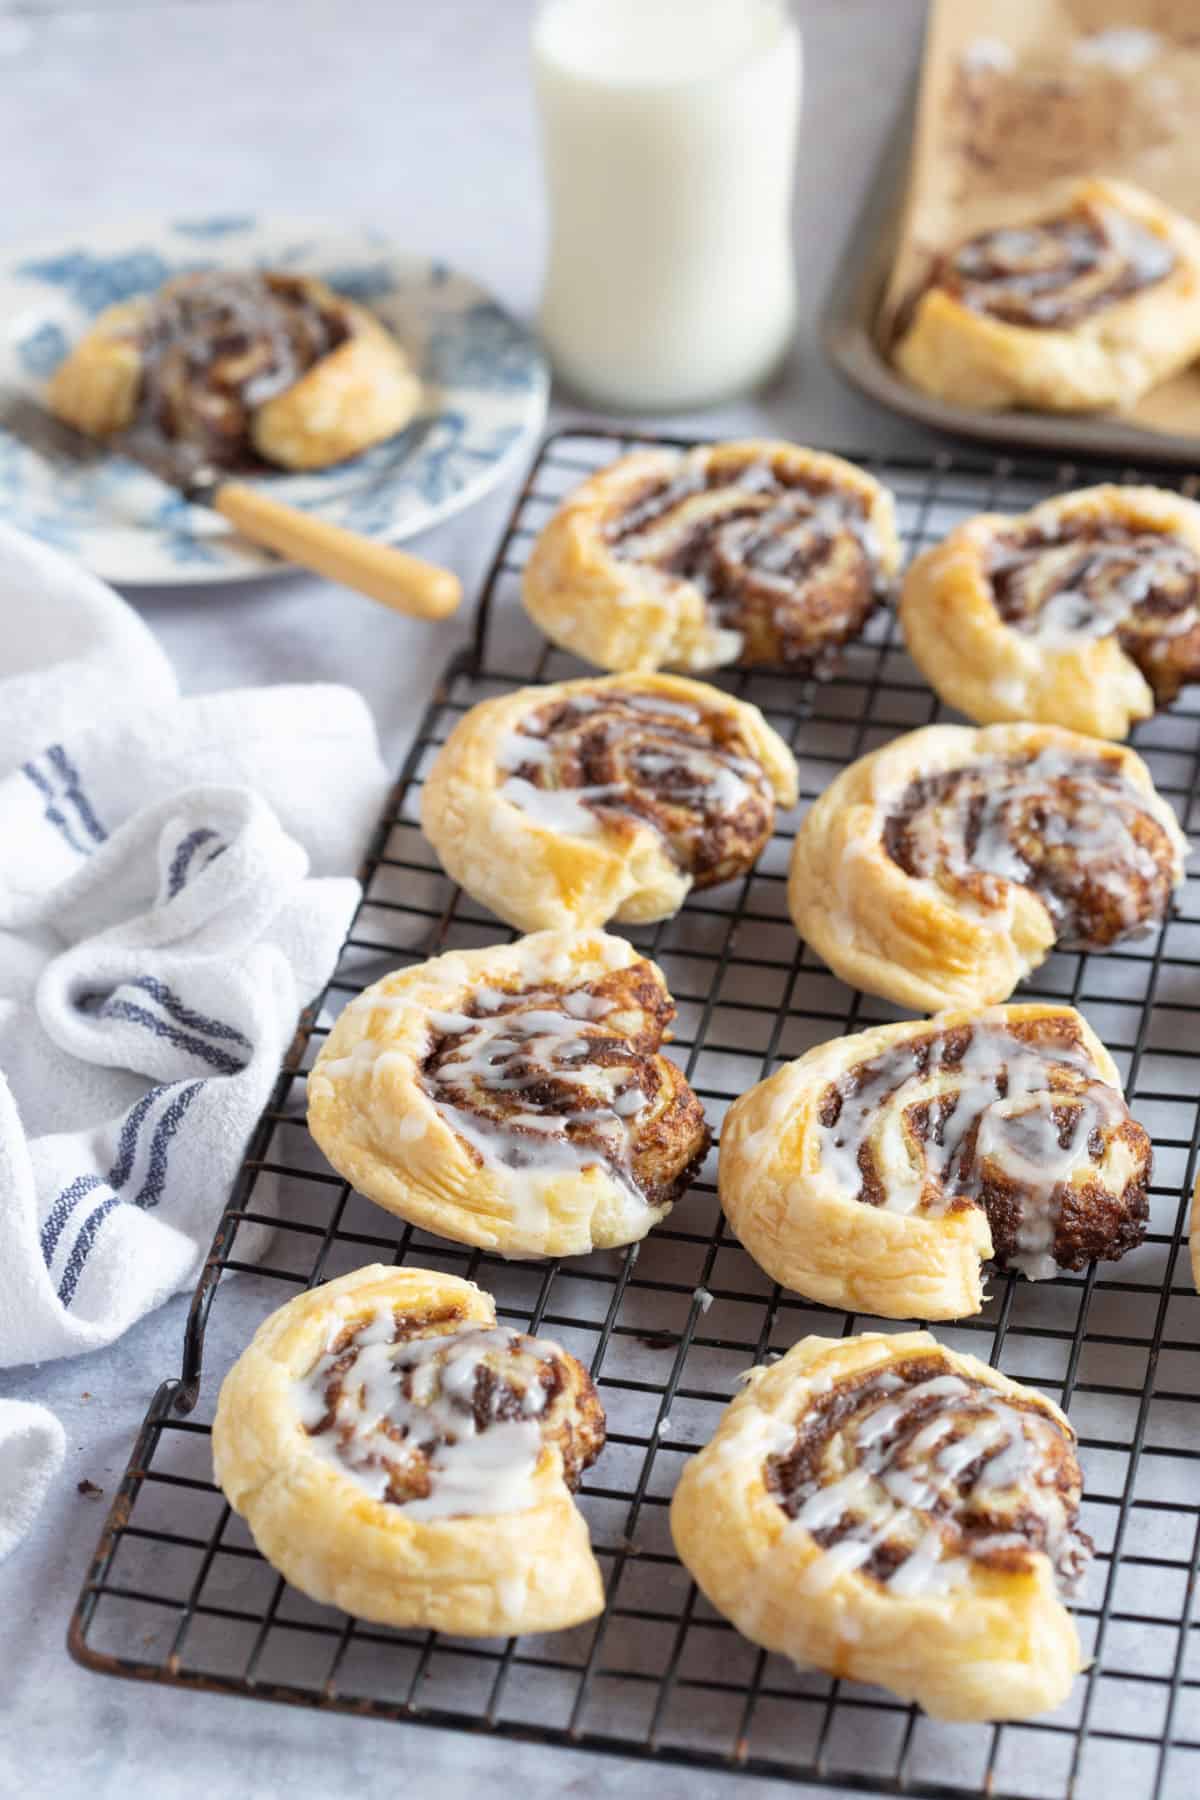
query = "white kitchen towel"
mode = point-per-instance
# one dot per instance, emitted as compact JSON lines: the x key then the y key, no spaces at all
{"x":174,"y":888}
{"x":31,"y":1454}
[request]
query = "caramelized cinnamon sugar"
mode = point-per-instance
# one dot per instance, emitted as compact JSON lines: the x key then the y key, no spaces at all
{"x":441,"y":1415}
{"x":216,"y":346}
{"x":789,"y":562}
{"x":1077,"y":579}
{"x":1053,"y":274}
{"x":553,"y":1078}
{"x":632,"y":756}
{"x":1071,"y":829}
{"x":910,"y":1473}
{"x":1006,"y":1115}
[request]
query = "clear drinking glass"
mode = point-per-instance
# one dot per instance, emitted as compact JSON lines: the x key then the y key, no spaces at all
{"x":669,"y":143}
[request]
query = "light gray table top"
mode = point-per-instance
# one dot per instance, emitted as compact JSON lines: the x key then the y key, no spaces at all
{"x":417,"y":117}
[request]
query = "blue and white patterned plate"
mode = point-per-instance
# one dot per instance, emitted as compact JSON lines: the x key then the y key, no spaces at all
{"x":484,"y":379}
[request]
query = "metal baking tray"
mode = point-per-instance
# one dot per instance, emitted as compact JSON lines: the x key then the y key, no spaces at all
{"x":176,"y":1593}
{"x":848,"y":336}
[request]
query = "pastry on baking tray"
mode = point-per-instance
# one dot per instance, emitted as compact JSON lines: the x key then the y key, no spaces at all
{"x":602,"y":799}
{"x":397,"y":1453}
{"x":940,"y":870}
{"x":513,"y":1097}
{"x":1083,"y":310}
{"x":890,"y":1511}
{"x":878,"y":1172}
{"x":1084,"y":612}
{"x":751,"y":552}
{"x":231,"y":366}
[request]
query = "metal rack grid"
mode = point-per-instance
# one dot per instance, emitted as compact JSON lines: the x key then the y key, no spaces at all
{"x":176,"y":1592}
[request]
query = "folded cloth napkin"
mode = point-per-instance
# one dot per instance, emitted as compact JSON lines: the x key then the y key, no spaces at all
{"x":172,"y":893}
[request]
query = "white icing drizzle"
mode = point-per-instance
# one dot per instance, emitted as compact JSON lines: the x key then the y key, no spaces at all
{"x":929,"y":1491}
{"x":410,"y":1404}
{"x":749,"y":527}
{"x":1063,"y":591}
{"x":517,"y":1052}
{"x":945,"y":834}
{"x":992,"y":1114}
{"x":659,"y":757}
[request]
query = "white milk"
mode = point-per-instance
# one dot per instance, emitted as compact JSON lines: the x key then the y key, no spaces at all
{"x":669,"y":135}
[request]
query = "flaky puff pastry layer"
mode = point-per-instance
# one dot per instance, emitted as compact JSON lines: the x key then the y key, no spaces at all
{"x":538,"y":876}
{"x":476,"y":1575}
{"x":361,"y":392}
{"x":622,"y":612}
{"x":932,"y":944}
{"x":1000,"y":1645}
{"x":376,"y":1113}
{"x":890,"y":1239}
{"x":985,"y":665}
{"x":1108,"y":357}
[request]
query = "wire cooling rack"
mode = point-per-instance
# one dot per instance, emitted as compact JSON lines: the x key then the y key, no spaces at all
{"x":176,"y":1592}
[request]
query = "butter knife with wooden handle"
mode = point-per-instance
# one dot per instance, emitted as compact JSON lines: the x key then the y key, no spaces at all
{"x":406,"y":583}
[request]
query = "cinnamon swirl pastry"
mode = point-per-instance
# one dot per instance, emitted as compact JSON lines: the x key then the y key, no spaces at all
{"x":1084,"y":310}
{"x":890,"y":1511}
{"x":610,"y":798}
{"x":1084,"y":612}
{"x":754,"y":552}
{"x":397,"y":1453}
{"x":229,"y":367}
{"x":878,"y":1172}
{"x":513,"y":1097}
{"x":941,"y":869}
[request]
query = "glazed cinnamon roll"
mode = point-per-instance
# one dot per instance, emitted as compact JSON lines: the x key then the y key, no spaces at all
{"x":610,"y":798}
{"x":232,"y":367}
{"x":397,"y":1453}
{"x":892,"y":1512}
{"x":880,"y":1171}
{"x":754,"y":552}
{"x":1084,"y":612}
{"x":941,"y":869}
{"x":1086,"y":309}
{"x":514,"y":1097}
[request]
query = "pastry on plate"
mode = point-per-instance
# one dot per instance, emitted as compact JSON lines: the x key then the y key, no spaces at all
{"x":1084,"y":612}
{"x":880,"y":1171}
{"x":1083,"y":310}
{"x":228,"y":367}
{"x":397,"y":1453}
{"x":514,"y":1097}
{"x":749,"y":552}
{"x":611,"y":798}
{"x":889,"y":1511}
{"x":940,"y":870}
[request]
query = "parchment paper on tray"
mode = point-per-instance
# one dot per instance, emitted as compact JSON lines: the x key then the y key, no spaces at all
{"x":1019,"y":100}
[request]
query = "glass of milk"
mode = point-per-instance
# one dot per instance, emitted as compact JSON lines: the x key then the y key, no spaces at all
{"x":669,"y":138}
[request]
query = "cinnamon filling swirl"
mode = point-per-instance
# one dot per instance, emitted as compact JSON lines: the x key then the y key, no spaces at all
{"x":791,"y":565}
{"x":912,"y":1473}
{"x":555,"y":1080}
{"x":1051,"y":275}
{"x":1073,"y":831}
{"x":217,"y":346}
{"x":603,"y":762}
{"x":1082,"y":579}
{"x":446,"y":1418}
{"x":1006,"y":1116}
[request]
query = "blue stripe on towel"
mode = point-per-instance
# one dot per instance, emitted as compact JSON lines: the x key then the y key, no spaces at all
{"x":186,"y":1015}
{"x":181,"y":862}
{"x":118,"y":1175}
{"x":53,"y":813}
{"x":183,"y":1040}
{"x":148,"y":1194}
{"x":73,"y":791}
